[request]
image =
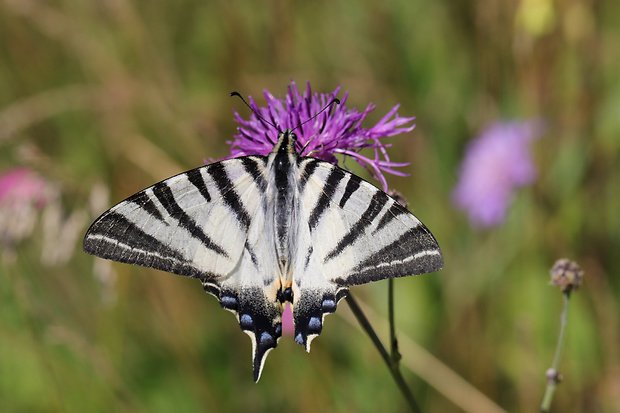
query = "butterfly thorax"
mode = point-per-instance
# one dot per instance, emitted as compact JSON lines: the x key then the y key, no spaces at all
{"x":283,"y":162}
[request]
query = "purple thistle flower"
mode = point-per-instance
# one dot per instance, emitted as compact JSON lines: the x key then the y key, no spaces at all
{"x":495,"y":164}
{"x":337,"y":131}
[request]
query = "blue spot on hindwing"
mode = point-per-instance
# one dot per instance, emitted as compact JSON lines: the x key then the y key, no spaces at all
{"x":314,"y":325}
{"x":228,"y":302}
{"x":246,"y":322}
{"x":328,"y":305}
{"x":267,"y":339}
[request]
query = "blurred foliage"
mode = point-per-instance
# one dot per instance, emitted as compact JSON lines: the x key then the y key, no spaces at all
{"x":103,"y":98}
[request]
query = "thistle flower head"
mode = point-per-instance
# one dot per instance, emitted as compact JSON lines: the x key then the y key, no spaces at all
{"x":495,"y":164}
{"x":566,"y":275}
{"x":336,"y":131}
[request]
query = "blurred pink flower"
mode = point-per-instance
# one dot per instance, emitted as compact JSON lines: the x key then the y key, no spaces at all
{"x":20,"y":187}
{"x":22,"y":196}
{"x":26,"y":198}
{"x":496,"y":163}
{"x":336,"y":131}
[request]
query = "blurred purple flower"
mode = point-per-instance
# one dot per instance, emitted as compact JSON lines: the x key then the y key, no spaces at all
{"x":335,"y":131}
{"x":495,"y":164}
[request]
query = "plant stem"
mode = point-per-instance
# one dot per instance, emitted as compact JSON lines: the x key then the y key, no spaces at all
{"x":394,"y":354}
{"x":394,"y":370}
{"x":553,"y":381}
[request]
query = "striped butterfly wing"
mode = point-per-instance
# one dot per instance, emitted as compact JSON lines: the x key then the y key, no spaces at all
{"x":352,"y":233}
{"x":209,"y":223}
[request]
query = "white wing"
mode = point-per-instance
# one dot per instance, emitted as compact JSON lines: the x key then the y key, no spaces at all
{"x":350,"y":233}
{"x":208,"y":223}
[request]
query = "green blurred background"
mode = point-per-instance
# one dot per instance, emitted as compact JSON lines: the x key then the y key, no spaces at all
{"x":103,"y":98}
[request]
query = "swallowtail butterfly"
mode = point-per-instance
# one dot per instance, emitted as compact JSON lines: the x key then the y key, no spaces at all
{"x":260,"y":231}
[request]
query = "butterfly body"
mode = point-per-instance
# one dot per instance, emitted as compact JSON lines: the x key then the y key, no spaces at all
{"x":260,"y":231}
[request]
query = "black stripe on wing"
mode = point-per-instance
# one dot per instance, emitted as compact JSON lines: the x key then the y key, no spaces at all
{"x":144,"y":201}
{"x":331,"y":183}
{"x":164,"y":195}
{"x":307,"y":167}
{"x":414,"y":252}
{"x":255,"y":165}
{"x":230,"y":196}
{"x":115,"y":237}
{"x":395,"y":210}
{"x":196,"y":178}
{"x":377,"y":202}
{"x":352,"y":185}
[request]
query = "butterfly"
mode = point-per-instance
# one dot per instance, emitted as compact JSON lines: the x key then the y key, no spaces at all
{"x":260,"y":231}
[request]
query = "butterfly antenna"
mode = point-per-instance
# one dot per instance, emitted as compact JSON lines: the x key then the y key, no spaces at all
{"x":334,"y":100}
{"x":255,"y":112}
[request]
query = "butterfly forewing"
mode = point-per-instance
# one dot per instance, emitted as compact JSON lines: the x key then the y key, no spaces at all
{"x":181,"y":225}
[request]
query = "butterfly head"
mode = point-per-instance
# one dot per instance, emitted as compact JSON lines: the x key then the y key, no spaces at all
{"x":287,"y":140}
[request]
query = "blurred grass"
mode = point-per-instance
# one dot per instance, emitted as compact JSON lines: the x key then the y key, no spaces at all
{"x":123,"y":94}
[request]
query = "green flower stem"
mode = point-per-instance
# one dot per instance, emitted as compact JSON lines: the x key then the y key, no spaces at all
{"x":394,"y":370}
{"x":553,"y":381}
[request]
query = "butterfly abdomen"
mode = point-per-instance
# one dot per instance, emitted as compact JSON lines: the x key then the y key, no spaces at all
{"x":283,"y":162}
